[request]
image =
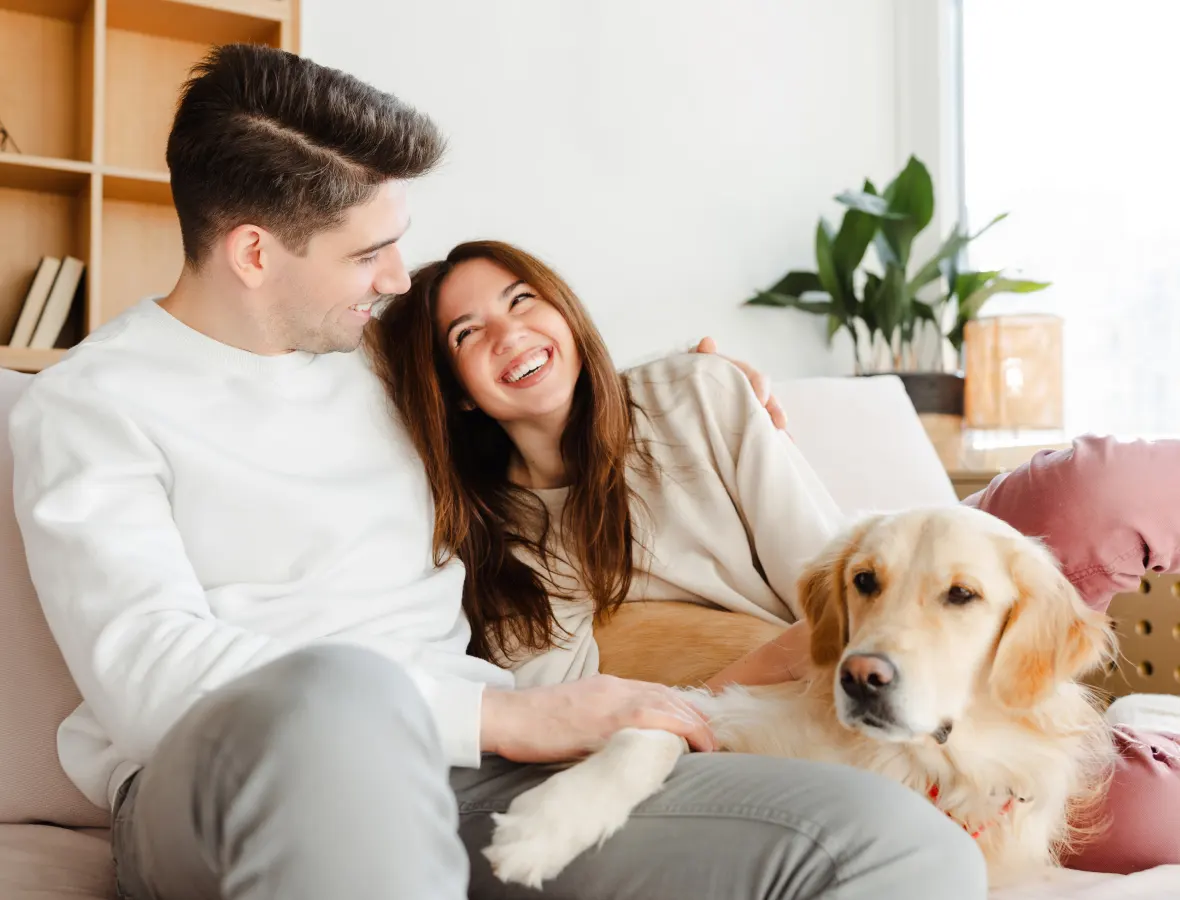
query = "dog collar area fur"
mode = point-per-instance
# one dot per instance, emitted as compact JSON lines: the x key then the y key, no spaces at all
{"x":933,"y":793}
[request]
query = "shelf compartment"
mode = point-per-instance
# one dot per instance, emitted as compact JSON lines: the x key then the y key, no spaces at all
{"x":227,"y":21}
{"x":36,"y":224}
{"x":142,"y":255}
{"x":38,"y":173}
{"x":22,"y":359}
{"x":65,"y":10}
{"x":136,"y":185}
{"x":47,"y":81}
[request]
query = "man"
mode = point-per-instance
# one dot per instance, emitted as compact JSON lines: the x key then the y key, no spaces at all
{"x":231,"y":538}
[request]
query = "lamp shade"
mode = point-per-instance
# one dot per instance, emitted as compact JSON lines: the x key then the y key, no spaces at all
{"x":1013,"y":376}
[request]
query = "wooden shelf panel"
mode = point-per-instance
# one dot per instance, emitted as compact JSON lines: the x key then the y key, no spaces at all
{"x":143,"y":81}
{"x":66,"y":10}
{"x":44,"y":83}
{"x":35,"y":224}
{"x":142,"y":254}
{"x":25,"y":360}
{"x":209,"y":22}
{"x":136,"y":185}
{"x":38,"y":173}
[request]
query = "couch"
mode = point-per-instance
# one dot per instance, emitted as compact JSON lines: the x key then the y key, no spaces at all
{"x":862,"y":435}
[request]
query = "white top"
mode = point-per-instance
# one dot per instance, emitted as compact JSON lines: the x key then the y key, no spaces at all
{"x":191,"y":511}
{"x":733,"y":517}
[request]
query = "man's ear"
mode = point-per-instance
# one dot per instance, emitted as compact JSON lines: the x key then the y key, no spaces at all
{"x":823,"y":599}
{"x":1050,"y":636}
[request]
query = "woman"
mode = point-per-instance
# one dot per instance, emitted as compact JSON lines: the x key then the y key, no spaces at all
{"x":567,"y":489}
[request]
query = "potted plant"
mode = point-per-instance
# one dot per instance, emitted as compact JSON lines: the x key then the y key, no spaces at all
{"x":885,"y":309}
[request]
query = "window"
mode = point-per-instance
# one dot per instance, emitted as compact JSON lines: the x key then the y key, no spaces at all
{"x":1069,"y":124}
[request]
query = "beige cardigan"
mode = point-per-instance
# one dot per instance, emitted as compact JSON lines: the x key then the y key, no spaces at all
{"x":731,"y":518}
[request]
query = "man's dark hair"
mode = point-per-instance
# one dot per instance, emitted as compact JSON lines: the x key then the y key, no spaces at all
{"x":263,"y":136}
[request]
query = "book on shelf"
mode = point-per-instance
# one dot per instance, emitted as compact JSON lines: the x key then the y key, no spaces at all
{"x":48,"y":302}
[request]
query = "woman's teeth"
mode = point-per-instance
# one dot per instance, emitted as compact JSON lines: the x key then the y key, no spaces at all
{"x":527,"y":366}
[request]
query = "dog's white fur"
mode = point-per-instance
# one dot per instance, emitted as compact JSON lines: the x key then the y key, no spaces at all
{"x":1001,"y":669}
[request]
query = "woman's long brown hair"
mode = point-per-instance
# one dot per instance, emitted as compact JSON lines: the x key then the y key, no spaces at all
{"x":479,"y":513}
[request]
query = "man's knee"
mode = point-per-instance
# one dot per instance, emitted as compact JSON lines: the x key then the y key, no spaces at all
{"x":321,"y":701}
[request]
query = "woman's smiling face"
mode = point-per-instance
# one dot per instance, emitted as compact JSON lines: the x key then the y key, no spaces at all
{"x":513,"y":352}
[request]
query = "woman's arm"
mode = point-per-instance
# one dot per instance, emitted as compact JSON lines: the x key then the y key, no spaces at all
{"x":786,"y":658}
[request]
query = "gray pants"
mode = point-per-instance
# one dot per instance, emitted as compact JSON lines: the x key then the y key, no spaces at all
{"x":320,"y":776}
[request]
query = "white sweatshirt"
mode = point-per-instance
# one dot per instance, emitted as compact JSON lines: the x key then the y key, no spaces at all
{"x":191,"y":511}
{"x":734,"y":515}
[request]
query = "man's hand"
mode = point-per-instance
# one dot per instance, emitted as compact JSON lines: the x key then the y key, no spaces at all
{"x":758,"y":381}
{"x":565,"y":722}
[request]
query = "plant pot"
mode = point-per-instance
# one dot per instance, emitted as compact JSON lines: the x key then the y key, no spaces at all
{"x":934,"y":393}
{"x":938,"y":398}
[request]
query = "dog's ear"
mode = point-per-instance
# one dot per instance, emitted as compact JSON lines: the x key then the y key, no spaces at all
{"x":822,"y":597}
{"x":1050,"y":636}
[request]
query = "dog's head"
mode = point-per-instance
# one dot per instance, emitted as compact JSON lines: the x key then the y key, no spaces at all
{"x":921,"y":614}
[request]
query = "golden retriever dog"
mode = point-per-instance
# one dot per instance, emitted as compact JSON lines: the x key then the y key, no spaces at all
{"x":946,"y":650}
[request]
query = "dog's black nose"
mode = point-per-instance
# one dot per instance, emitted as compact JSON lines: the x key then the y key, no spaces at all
{"x":865,"y":677}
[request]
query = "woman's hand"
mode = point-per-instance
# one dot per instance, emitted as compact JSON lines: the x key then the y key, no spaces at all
{"x":564,"y":722}
{"x":759,"y":382}
{"x":786,"y":658}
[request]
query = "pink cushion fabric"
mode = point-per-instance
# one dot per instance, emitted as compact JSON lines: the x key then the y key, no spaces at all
{"x":41,"y":862}
{"x":36,"y":690}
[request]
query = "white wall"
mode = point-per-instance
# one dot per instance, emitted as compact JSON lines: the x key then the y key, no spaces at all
{"x":667,"y":157}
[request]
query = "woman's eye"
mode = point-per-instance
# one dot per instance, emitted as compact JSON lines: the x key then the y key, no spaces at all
{"x":368,"y":260}
{"x":461,"y":336}
{"x":520,"y":298}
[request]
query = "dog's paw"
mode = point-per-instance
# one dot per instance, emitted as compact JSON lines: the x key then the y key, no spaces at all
{"x":549,"y":826}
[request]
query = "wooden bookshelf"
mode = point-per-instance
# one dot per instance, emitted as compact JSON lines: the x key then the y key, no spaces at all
{"x":87,"y":92}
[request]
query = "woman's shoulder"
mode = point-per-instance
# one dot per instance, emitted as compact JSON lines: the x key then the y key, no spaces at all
{"x":703,"y":380}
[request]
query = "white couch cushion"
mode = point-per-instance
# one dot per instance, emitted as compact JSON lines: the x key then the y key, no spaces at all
{"x":866,"y":442}
{"x":36,"y":690}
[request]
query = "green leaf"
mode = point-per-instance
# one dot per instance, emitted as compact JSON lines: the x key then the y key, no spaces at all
{"x":797,"y":284}
{"x":971,"y":304}
{"x":870,"y":204}
{"x":828,"y":277}
{"x":911,"y":193}
{"x":893,"y":301}
{"x":788,"y":301}
{"x":885,"y":251}
{"x":974,"y":289}
{"x":851,"y":242}
{"x":870,"y":308}
{"x":834,"y":325}
{"x":924,"y":312}
{"x":967,"y":283}
{"x":945,"y":259}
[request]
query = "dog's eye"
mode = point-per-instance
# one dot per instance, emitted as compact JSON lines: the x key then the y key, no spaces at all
{"x":959,"y":595}
{"x":865,"y":582}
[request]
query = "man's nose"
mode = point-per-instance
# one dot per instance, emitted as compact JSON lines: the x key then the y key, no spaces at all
{"x":392,"y":277}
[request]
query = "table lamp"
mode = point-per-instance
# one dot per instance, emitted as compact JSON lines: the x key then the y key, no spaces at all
{"x":1013,"y":379}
